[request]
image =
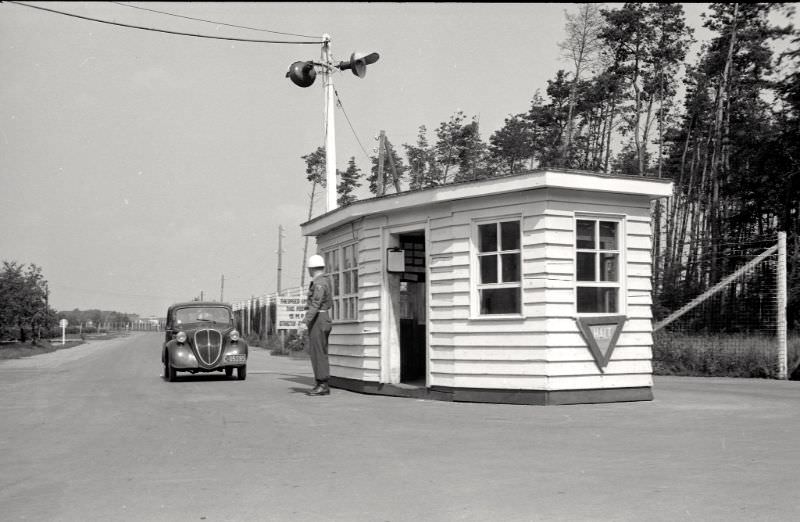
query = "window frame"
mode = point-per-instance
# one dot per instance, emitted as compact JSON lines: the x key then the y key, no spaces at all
{"x":339,"y":297}
{"x":621,"y":283}
{"x":475,"y":268}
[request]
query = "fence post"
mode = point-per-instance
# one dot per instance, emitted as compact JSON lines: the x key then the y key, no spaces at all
{"x":782,"y":356}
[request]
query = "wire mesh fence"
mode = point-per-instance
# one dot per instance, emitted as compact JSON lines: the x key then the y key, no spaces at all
{"x":732,"y":328}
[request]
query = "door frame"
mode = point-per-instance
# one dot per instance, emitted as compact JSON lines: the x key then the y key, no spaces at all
{"x":390,"y":303}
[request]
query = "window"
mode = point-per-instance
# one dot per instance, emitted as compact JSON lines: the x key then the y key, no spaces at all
{"x":499,"y":266}
{"x":342,"y":267}
{"x":597,"y":266}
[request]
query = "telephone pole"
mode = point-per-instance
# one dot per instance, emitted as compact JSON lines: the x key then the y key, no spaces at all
{"x":222,"y":289}
{"x":280,"y":255}
{"x":330,"y":127}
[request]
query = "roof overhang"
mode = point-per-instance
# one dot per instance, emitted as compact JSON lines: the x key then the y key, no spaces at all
{"x":652,"y":188}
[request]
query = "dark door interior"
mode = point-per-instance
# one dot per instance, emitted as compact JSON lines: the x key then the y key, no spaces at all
{"x":413,"y":309}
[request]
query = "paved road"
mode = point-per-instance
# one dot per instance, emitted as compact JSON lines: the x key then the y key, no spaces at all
{"x":93,"y":433}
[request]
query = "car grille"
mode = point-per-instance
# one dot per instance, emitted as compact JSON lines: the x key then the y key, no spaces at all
{"x":209,"y":346}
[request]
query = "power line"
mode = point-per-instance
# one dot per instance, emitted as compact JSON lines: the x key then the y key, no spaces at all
{"x":211,"y":37}
{"x":339,"y":100}
{"x":212,"y":21}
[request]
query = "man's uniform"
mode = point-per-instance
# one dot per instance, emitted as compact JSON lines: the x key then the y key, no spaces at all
{"x":318,"y":321}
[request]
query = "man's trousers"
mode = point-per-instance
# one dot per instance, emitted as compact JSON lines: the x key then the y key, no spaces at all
{"x":318,"y":345}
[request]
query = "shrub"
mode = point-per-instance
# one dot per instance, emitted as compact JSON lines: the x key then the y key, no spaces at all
{"x":719,"y":355}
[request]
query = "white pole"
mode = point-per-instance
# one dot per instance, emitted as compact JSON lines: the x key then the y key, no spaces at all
{"x":782,"y":362}
{"x":330,"y":128}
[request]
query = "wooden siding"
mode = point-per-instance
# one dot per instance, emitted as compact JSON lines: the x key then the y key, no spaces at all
{"x":540,"y":350}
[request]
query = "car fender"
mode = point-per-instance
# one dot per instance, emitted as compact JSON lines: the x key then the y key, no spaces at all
{"x":239,"y":347}
{"x":180,"y":355}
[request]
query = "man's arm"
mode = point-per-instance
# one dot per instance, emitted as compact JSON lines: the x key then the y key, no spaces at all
{"x":317,"y":297}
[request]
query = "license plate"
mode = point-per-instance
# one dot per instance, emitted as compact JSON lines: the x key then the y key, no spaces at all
{"x":236,"y":358}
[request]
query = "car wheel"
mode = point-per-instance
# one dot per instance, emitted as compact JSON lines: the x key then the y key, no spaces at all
{"x":229,"y":372}
{"x":241,"y":373}
{"x":172,"y":373}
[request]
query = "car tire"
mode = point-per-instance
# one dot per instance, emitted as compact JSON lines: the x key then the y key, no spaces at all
{"x":241,"y":373}
{"x":229,"y":372}
{"x":172,"y":373}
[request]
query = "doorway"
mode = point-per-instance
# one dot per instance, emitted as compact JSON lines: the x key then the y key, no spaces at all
{"x":412,"y":309}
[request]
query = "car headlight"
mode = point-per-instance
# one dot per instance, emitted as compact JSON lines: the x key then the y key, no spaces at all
{"x":234,"y":335}
{"x":181,"y":337}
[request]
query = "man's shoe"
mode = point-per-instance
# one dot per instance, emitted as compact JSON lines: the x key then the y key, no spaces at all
{"x":320,"y":389}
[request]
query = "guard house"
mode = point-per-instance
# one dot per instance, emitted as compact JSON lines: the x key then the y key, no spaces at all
{"x":531,"y":289}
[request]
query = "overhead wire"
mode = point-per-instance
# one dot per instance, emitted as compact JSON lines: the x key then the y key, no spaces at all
{"x":212,"y":21}
{"x":341,"y":106}
{"x":166,"y":31}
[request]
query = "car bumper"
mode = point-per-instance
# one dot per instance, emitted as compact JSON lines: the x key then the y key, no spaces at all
{"x":184,"y":359}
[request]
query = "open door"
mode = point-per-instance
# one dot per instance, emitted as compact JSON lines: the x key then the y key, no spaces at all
{"x":406,"y":317}
{"x":412,"y":310}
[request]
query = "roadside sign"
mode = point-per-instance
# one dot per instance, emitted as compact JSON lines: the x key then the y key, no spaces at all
{"x":289,"y":313}
{"x":63,"y":323}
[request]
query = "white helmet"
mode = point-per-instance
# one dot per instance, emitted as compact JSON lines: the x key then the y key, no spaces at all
{"x":316,"y":261}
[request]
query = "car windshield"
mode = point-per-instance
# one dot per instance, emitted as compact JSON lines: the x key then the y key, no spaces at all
{"x":216,"y":315}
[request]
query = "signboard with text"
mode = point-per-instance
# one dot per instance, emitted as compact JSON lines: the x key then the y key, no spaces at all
{"x":290,"y":312}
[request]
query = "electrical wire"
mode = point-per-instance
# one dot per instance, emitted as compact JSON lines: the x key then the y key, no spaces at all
{"x":131,"y":26}
{"x":212,"y":21}
{"x":339,"y":102}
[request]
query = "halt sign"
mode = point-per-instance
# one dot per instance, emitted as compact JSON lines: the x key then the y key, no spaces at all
{"x":601,"y":334}
{"x":289,"y":312}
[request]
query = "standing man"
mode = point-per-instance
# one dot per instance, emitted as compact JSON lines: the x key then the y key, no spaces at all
{"x":318,"y":323}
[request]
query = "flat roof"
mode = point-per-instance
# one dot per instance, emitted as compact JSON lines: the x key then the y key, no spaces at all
{"x":535,"y":179}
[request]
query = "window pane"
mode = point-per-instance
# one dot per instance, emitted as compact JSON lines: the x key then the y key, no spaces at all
{"x":608,"y":235}
{"x":500,"y":301}
{"x":510,"y":267}
{"x":585,"y":234}
{"x":488,"y":269}
{"x":347,"y":255}
{"x":335,"y":289}
{"x":509,"y":235}
{"x":346,"y":277}
{"x":608,"y":267}
{"x":355,"y":281}
{"x":585,"y":266}
{"x":597,"y":300}
{"x":487,"y":238}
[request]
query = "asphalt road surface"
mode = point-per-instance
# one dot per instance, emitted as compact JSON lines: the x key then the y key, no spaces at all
{"x":94,"y":433}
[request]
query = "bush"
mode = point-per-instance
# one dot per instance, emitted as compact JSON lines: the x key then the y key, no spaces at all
{"x":719,"y":355}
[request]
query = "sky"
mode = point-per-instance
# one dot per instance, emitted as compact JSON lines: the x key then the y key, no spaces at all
{"x":138,"y":168}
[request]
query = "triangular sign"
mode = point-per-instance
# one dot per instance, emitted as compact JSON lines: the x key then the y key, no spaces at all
{"x":601,"y":334}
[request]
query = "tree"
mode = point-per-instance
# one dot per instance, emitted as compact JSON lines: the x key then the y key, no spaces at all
{"x":581,"y":47}
{"x":423,"y":170}
{"x":648,"y":42}
{"x":512,"y":145}
{"x":348,"y":182}
{"x":23,"y":300}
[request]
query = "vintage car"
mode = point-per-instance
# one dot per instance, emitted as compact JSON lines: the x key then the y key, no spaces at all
{"x":201,"y":337}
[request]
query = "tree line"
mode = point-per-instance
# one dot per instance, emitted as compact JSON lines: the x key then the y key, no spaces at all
{"x":25,"y":312}
{"x":724,"y":127}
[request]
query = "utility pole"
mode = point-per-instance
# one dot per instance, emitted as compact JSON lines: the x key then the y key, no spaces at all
{"x":330,"y":127}
{"x":381,"y":151}
{"x":303,"y":74}
{"x":222,"y":289}
{"x":280,"y":255}
{"x":201,"y":295}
